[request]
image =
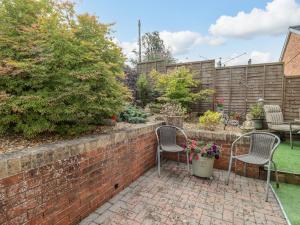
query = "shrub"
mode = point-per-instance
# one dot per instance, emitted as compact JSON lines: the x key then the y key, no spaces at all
{"x":257,"y":111}
{"x":133,"y":114}
{"x":210,"y":120}
{"x":58,"y":70}
{"x":144,"y":90}
{"x":175,"y":87}
{"x":153,"y":107}
{"x":172,"y":109}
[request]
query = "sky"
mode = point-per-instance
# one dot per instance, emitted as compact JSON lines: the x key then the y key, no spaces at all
{"x":199,"y":30}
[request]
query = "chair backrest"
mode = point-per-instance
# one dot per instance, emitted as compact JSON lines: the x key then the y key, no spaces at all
{"x":166,"y":135}
{"x":273,"y":114}
{"x":263,"y":144}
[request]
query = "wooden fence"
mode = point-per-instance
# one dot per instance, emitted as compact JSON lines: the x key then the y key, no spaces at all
{"x":292,"y":97}
{"x":240,"y":86}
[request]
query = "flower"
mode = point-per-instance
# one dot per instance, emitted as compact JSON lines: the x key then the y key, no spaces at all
{"x":210,"y":150}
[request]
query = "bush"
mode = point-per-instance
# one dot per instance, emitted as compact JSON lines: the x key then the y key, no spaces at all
{"x":175,"y":87}
{"x":257,"y":111}
{"x":58,"y":70}
{"x":133,"y":114}
{"x":172,"y":109}
{"x":144,"y":90}
{"x":210,"y":120}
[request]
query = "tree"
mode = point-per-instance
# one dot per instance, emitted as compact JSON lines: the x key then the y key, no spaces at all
{"x":154,"y":48}
{"x":58,"y":70}
{"x":145,"y":92}
{"x":175,"y":87}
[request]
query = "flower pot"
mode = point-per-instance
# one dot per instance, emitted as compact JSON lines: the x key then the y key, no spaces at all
{"x":258,"y":125}
{"x":203,"y":167}
{"x":220,"y":109}
{"x":174,"y":121}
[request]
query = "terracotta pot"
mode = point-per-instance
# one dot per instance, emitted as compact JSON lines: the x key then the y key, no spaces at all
{"x":174,"y":121}
{"x":203,"y":167}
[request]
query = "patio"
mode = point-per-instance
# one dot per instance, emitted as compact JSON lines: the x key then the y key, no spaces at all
{"x":177,"y":198}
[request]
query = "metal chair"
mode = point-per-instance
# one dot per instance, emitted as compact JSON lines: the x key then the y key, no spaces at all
{"x":274,"y":118}
{"x":262,"y":148}
{"x":166,"y":138}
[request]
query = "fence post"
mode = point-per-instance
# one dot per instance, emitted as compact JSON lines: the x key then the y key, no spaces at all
{"x":264,"y":81}
{"x":246,"y":90}
{"x":230,"y":90}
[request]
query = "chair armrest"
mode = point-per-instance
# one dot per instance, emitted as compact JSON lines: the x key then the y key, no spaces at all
{"x":236,"y":140}
{"x":274,"y":148}
{"x":182,"y":131}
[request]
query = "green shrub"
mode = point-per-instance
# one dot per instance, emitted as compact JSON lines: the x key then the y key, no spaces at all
{"x":58,"y":70}
{"x":153,"y":107}
{"x":144,"y":90}
{"x":257,"y":111}
{"x":172,"y":109}
{"x":210,"y":120}
{"x":175,"y":87}
{"x":133,"y":114}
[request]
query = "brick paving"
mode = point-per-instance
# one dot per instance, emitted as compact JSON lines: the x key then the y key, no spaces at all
{"x":177,"y":198}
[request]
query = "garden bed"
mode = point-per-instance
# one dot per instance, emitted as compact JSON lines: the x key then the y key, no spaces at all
{"x":10,"y":143}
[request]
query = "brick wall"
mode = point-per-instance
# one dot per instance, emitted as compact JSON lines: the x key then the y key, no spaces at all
{"x":291,"y":56}
{"x":62,"y":183}
{"x":225,"y":140}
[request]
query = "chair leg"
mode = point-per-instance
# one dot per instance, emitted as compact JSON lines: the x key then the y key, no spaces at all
{"x":268,"y":181}
{"x":245,"y":169}
{"x":276,"y":174}
{"x":178,"y":157}
{"x":158,"y":161}
{"x":188,"y":162}
{"x":291,"y":138}
{"x":229,"y":170}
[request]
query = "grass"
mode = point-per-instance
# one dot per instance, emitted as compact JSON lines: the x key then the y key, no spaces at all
{"x":289,"y":195}
{"x":288,"y":159}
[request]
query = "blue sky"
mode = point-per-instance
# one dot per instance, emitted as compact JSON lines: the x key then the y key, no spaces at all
{"x":213,"y":29}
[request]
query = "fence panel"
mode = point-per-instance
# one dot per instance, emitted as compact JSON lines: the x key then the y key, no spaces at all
{"x":292,"y":97}
{"x":240,"y":86}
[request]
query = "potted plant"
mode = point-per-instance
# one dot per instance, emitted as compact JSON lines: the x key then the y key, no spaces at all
{"x":174,"y":114}
{"x":202,"y":157}
{"x":220,"y":105}
{"x":257,"y":113}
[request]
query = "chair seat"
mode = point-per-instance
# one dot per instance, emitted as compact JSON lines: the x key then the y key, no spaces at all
{"x":171,"y":148}
{"x":284,"y":127}
{"x":252,"y":159}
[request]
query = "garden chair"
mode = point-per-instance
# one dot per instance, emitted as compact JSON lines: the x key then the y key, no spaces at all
{"x":274,"y":118}
{"x":262,"y":147}
{"x":166,"y":138}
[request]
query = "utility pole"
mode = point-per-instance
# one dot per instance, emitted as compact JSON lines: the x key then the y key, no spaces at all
{"x":140,"y":44}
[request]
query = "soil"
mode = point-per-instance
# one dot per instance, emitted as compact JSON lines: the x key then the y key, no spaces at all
{"x":15,"y":142}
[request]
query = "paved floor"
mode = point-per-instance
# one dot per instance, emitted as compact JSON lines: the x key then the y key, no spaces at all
{"x":177,"y":198}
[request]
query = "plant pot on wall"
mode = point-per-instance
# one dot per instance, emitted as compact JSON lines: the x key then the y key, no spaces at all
{"x":203,"y":166}
{"x":258,"y":123}
{"x":174,"y":121}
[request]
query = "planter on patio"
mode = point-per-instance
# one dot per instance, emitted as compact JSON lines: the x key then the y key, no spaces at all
{"x":203,"y":167}
{"x":202,"y":157}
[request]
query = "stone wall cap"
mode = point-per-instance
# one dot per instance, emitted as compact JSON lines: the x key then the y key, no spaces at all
{"x":29,"y":158}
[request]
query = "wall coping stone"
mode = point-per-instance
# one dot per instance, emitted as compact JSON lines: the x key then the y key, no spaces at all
{"x":227,"y":136}
{"x":12,"y":163}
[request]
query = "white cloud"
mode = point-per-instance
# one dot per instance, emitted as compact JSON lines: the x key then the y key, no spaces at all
{"x":182,"y":42}
{"x":277,"y":16}
{"x":255,"y":56}
{"x":128,"y":48}
{"x":179,"y":43}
